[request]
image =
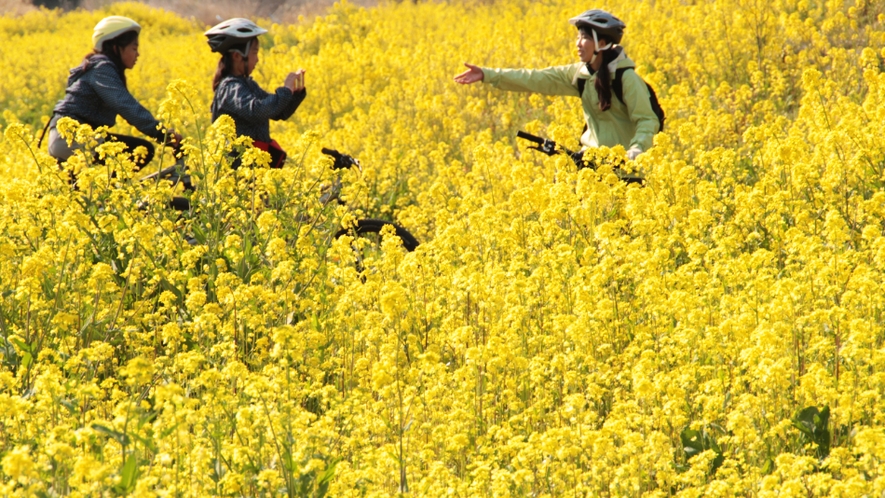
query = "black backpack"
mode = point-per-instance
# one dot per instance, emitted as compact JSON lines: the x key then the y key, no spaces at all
{"x":618,"y":90}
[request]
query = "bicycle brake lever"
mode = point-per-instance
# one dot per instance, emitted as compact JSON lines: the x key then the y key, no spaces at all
{"x":548,"y":147}
{"x":346,"y":162}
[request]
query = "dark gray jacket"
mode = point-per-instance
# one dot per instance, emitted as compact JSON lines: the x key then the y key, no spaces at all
{"x":96,"y":95}
{"x":252,"y":108}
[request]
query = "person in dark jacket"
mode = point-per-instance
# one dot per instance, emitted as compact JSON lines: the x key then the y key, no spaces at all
{"x":240,"y":97}
{"x":97,"y":93}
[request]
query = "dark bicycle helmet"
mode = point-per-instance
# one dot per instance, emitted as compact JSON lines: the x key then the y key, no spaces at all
{"x":232,"y":34}
{"x":603,"y":24}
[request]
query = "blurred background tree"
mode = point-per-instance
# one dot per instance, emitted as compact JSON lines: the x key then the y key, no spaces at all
{"x":282,"y":11}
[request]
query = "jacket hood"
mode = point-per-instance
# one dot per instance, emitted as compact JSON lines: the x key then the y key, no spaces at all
{"x":94,"y":61}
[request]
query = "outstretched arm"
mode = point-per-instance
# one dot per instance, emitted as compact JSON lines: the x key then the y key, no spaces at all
{"x":549,"y":81}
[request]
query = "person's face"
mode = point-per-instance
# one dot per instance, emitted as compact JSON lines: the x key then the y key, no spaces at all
{"x":253,"y":56}
{"x":129,"y":54}
{"x":240,"y":62}
{"x":586,"y":46}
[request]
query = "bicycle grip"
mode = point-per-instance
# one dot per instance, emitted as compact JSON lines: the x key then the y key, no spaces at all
{"x":531,"y":138}
{"x":331,"y":152}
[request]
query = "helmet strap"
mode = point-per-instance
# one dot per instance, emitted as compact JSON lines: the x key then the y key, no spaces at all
{"x":597,"y":48}
{"x":246,"y":58}
{"x":244,"y":54}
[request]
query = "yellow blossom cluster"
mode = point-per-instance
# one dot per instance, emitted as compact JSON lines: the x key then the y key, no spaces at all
{"x":719,"y":331}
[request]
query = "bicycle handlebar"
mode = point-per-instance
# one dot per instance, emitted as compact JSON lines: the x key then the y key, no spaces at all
{"x":531,"y":138}
{"x":342,"y":161}
{"x":544,"y":145}
{"x":334,"y":154}
{"x":551,"y":148}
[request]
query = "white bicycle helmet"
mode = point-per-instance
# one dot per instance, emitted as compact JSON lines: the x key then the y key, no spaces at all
{"x":110,"y":28}
{"x":229,"y":35}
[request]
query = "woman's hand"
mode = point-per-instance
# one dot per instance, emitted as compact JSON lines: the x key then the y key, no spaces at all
{"x":472,"y":75}
{"x":633,"y":153}
{"x":295,"y":81}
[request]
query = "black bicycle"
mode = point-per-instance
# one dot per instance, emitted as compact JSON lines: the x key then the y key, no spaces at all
{"x":365,"y":226}
{"x":177,"y":173}
{"x":551,"y":148}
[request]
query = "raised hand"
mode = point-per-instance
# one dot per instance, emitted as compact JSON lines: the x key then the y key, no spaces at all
{"x":173,"y":139}
{"x":472,"y":75}
{"x":295,"y":81}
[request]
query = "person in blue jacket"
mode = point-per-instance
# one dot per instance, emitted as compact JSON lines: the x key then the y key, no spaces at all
{"x":97,"y":93}
{"x":240,"y":97}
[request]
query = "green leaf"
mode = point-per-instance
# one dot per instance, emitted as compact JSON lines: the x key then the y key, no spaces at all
{"x":217,"y":471}
{"x":69,"y":405}
{"x":814,"y":425}
{"x":147,"y":443}
{"x":27,"y":359}
{"x":86,"y":324}
{"x":329,"y":473}
{"x":199,"y":233}
{"x":117,"y":436}
{"x":692,"y":442}
{"x":696,"y":442}
{"x":824,"y":417}
{"x":165,"y":433}
{"x":166,"y":285}
{"x":22,"y":345}
{"x":148,"y":417}
{"x":288,"y":463}
{"x":805,"y":420}
{"x":128,"y":474}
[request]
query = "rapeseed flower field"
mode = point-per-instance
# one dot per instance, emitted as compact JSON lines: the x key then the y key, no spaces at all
{"x":716,"y":332}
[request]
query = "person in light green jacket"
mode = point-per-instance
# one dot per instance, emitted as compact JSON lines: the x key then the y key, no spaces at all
{"x":631,"y":123}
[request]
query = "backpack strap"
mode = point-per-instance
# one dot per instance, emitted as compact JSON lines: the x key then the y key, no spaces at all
{"x":618,"y":83}
{"x":43,"y":135}
{"x":581,"y":84}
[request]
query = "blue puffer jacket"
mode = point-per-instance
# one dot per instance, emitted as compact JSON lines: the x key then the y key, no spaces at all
{"x":251,"y":107}
{"x":96,"y":95}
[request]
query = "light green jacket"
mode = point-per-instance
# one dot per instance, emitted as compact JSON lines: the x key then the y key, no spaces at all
{"x":630,"y":123}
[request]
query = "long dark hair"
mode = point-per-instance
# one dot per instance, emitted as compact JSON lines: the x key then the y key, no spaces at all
{"x":604,"y":79}
{"x":226,"y":63}
{"x":111,"y":49}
